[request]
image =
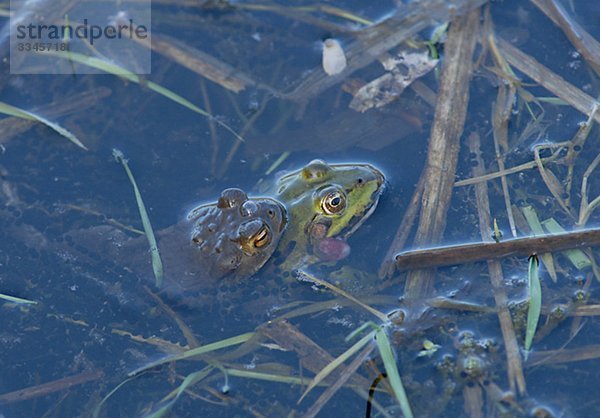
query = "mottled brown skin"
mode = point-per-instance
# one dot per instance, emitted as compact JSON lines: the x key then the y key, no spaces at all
{"x":232,"y":239}
{"x":227,"y":240}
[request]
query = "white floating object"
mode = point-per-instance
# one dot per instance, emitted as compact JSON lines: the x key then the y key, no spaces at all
{"x":334,"y":59}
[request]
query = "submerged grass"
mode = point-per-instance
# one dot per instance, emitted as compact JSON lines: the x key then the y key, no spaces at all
{"x":114,"y":69}
{"x":157,"y":266}
{"x":576,"y":256}
{"x":535,"y":301}
{"x":189,"y":380}
{"x":327,"y":370}
{"x":24,"y":114}
{"x":196,"y":377}
{"x":303,"y":275}
{"x":383,"y":344}
{"x":387,"y":357}
{"x":536,"y":226}
{"x":98,"y":408}
{"x":228,"y":342}
{"x":15,"y":299}
{"x":389,"y":362}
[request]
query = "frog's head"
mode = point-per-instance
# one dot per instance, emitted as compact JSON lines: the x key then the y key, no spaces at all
{"x":328,"y":202}
{"x":237,"y":235}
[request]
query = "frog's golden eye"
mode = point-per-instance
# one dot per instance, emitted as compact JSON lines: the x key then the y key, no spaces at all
{"x":333,"y":203}
{"x":262,"y":237}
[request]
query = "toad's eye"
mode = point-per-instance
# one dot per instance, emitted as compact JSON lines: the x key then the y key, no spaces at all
{"x":262,"y":237}
{"x":334,"y":202}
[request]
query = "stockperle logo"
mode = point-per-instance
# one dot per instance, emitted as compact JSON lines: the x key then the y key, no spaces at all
{"x":62,"y":37}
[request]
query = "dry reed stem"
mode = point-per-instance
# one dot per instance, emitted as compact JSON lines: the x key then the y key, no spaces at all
{"x":444,"y":143}
{"x":516,"y":377}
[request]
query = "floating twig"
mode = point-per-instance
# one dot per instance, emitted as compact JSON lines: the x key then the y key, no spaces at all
{"x":198,"y":61}
{"x":518,"y":247}
{"x":51,"y":387}
{"x":444,"y":142}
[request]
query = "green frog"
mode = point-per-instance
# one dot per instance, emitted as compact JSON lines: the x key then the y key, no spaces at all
{"x":326,"y":204}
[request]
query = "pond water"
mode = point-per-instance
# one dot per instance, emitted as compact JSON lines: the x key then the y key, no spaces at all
{"x":96,"y":320}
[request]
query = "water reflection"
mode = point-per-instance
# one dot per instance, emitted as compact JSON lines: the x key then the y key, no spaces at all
{"x":95,"y":321}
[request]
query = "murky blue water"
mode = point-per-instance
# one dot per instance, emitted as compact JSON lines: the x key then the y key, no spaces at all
{"x":178,"y":162}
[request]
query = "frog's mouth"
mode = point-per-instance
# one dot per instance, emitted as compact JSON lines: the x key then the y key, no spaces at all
{"x":365,"y":215}
{"x":331,"y":248}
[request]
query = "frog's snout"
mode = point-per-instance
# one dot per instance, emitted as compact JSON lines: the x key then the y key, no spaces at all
{"x":379,"y":176}
{"x":280,"y":216}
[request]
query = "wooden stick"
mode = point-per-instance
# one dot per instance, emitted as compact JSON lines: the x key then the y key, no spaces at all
{"x":199,"y":62}
{"x":444,"y":143}
{"x":520,"y":247}
{"x":51,"y":387}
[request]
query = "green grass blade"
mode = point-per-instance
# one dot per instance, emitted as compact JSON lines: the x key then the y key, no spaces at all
{"x":532,"y":220}
{"x":157,"y":266}
{"x":98,"y":408}
{"x":114,"y":69}
{"x":552,"y":100}
{"x":15,"y":299}
{"x":336,"y":363}
{"x":576,"y":256}
{"x":387,"y":356}
{"x":535,"y":301}
{"x":302,"y":275}
{"x":269,"y":377}
{"x":353,"y":334}
{"x":24,"y":114}
{"x":228,"y":342}
{"x":536,"y":228}
{"x":284,"y":155}
{"x":189,"y":380}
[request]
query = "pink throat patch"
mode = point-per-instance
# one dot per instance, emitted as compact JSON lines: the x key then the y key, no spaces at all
{"x":333,"y":249}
